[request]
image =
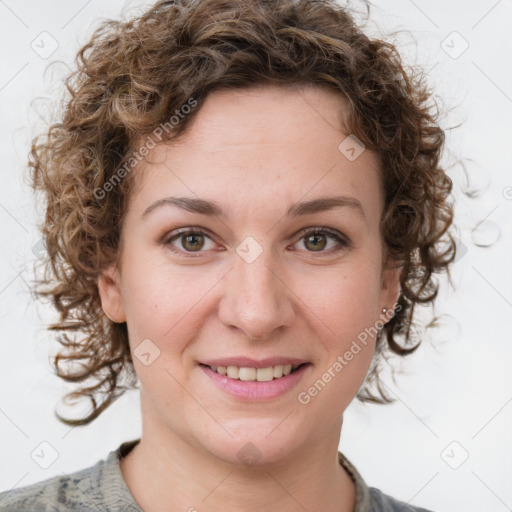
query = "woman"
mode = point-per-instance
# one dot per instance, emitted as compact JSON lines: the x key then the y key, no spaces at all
{"x":244,"y":205}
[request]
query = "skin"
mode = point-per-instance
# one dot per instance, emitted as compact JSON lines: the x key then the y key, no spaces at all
{"x":255,"y":152}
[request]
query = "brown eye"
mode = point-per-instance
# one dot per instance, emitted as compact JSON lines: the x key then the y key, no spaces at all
{"x":317,"y":240}
{"x":192,"y":242}
{"x":188,"y":241}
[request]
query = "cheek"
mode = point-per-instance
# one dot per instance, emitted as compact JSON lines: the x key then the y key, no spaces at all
{"x":162,"y":304}
{"x":148,"y":304}
{"x":344,"y":301}
{"x":344,"y":315}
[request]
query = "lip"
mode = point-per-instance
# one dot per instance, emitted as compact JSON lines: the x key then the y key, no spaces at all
{"x":246,"y":362}
{"x":254,"y":390}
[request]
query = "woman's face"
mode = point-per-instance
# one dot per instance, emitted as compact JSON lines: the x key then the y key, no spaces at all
{"x":254,"y":281}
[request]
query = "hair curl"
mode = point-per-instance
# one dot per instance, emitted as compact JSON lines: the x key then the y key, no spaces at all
{"x":134,"y":75}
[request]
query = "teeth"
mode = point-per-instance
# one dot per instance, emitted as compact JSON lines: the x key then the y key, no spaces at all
{"x":247,"y":373}
{"x":278,"y":371}
{"x":255,"y":374}
{"x":265,"y":374}
{"x":233,"y":372}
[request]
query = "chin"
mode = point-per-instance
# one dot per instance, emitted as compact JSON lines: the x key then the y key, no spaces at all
{"x":255,"y":442}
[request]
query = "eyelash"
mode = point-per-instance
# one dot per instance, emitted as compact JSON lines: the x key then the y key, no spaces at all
{"x":344,"y":242}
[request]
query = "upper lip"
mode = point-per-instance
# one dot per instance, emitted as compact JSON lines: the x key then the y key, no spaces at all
{"x":247,"y":362}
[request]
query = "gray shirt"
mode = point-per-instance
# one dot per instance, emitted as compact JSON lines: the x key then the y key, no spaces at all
{"x":102,"y":488}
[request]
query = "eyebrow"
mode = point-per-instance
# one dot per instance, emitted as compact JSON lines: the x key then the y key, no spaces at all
{"x":205,"y":207}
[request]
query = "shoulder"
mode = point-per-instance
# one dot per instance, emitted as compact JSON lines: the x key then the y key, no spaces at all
{"x":371,"y":499}
{"x":380,"y":502}
{"x":54,"y":494}
{"x":98,"y":487}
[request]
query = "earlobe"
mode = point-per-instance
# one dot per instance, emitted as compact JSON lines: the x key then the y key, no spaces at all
{"x":110,"y":294}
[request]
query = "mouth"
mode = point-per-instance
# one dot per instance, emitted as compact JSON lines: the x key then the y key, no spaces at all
{"x":251,"y":374}
{"x":261,"y":382}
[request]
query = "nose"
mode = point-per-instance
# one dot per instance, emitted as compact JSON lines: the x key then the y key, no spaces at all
{"x":256,"y":299}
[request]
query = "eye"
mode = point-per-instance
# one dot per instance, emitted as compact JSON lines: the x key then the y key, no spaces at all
{"x":191,"y":240}
{"x":316,"y":240}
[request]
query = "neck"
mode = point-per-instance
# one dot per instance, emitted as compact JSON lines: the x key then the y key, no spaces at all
{"x":165,"y":472}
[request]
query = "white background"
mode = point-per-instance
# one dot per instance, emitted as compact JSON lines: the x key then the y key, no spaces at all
{"x":455,"y":391}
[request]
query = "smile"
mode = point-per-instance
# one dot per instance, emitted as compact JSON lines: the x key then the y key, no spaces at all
{"x":255,"y":374}
{"x":256,"y":384}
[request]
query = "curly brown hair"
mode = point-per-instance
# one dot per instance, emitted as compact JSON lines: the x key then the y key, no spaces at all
{"x":134,"y":75}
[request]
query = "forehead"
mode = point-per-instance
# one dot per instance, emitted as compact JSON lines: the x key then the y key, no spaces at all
{"x":268,"y":114}
{"x":279,"y":143}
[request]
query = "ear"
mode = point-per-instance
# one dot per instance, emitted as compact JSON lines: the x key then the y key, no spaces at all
{"x":109,"y":287}
{"x":390,"y":284}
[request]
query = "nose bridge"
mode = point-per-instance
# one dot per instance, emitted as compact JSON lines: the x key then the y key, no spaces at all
{"x":255,"y":300}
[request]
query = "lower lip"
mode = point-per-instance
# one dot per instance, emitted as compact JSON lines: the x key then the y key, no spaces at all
{"x":254,"y":390}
